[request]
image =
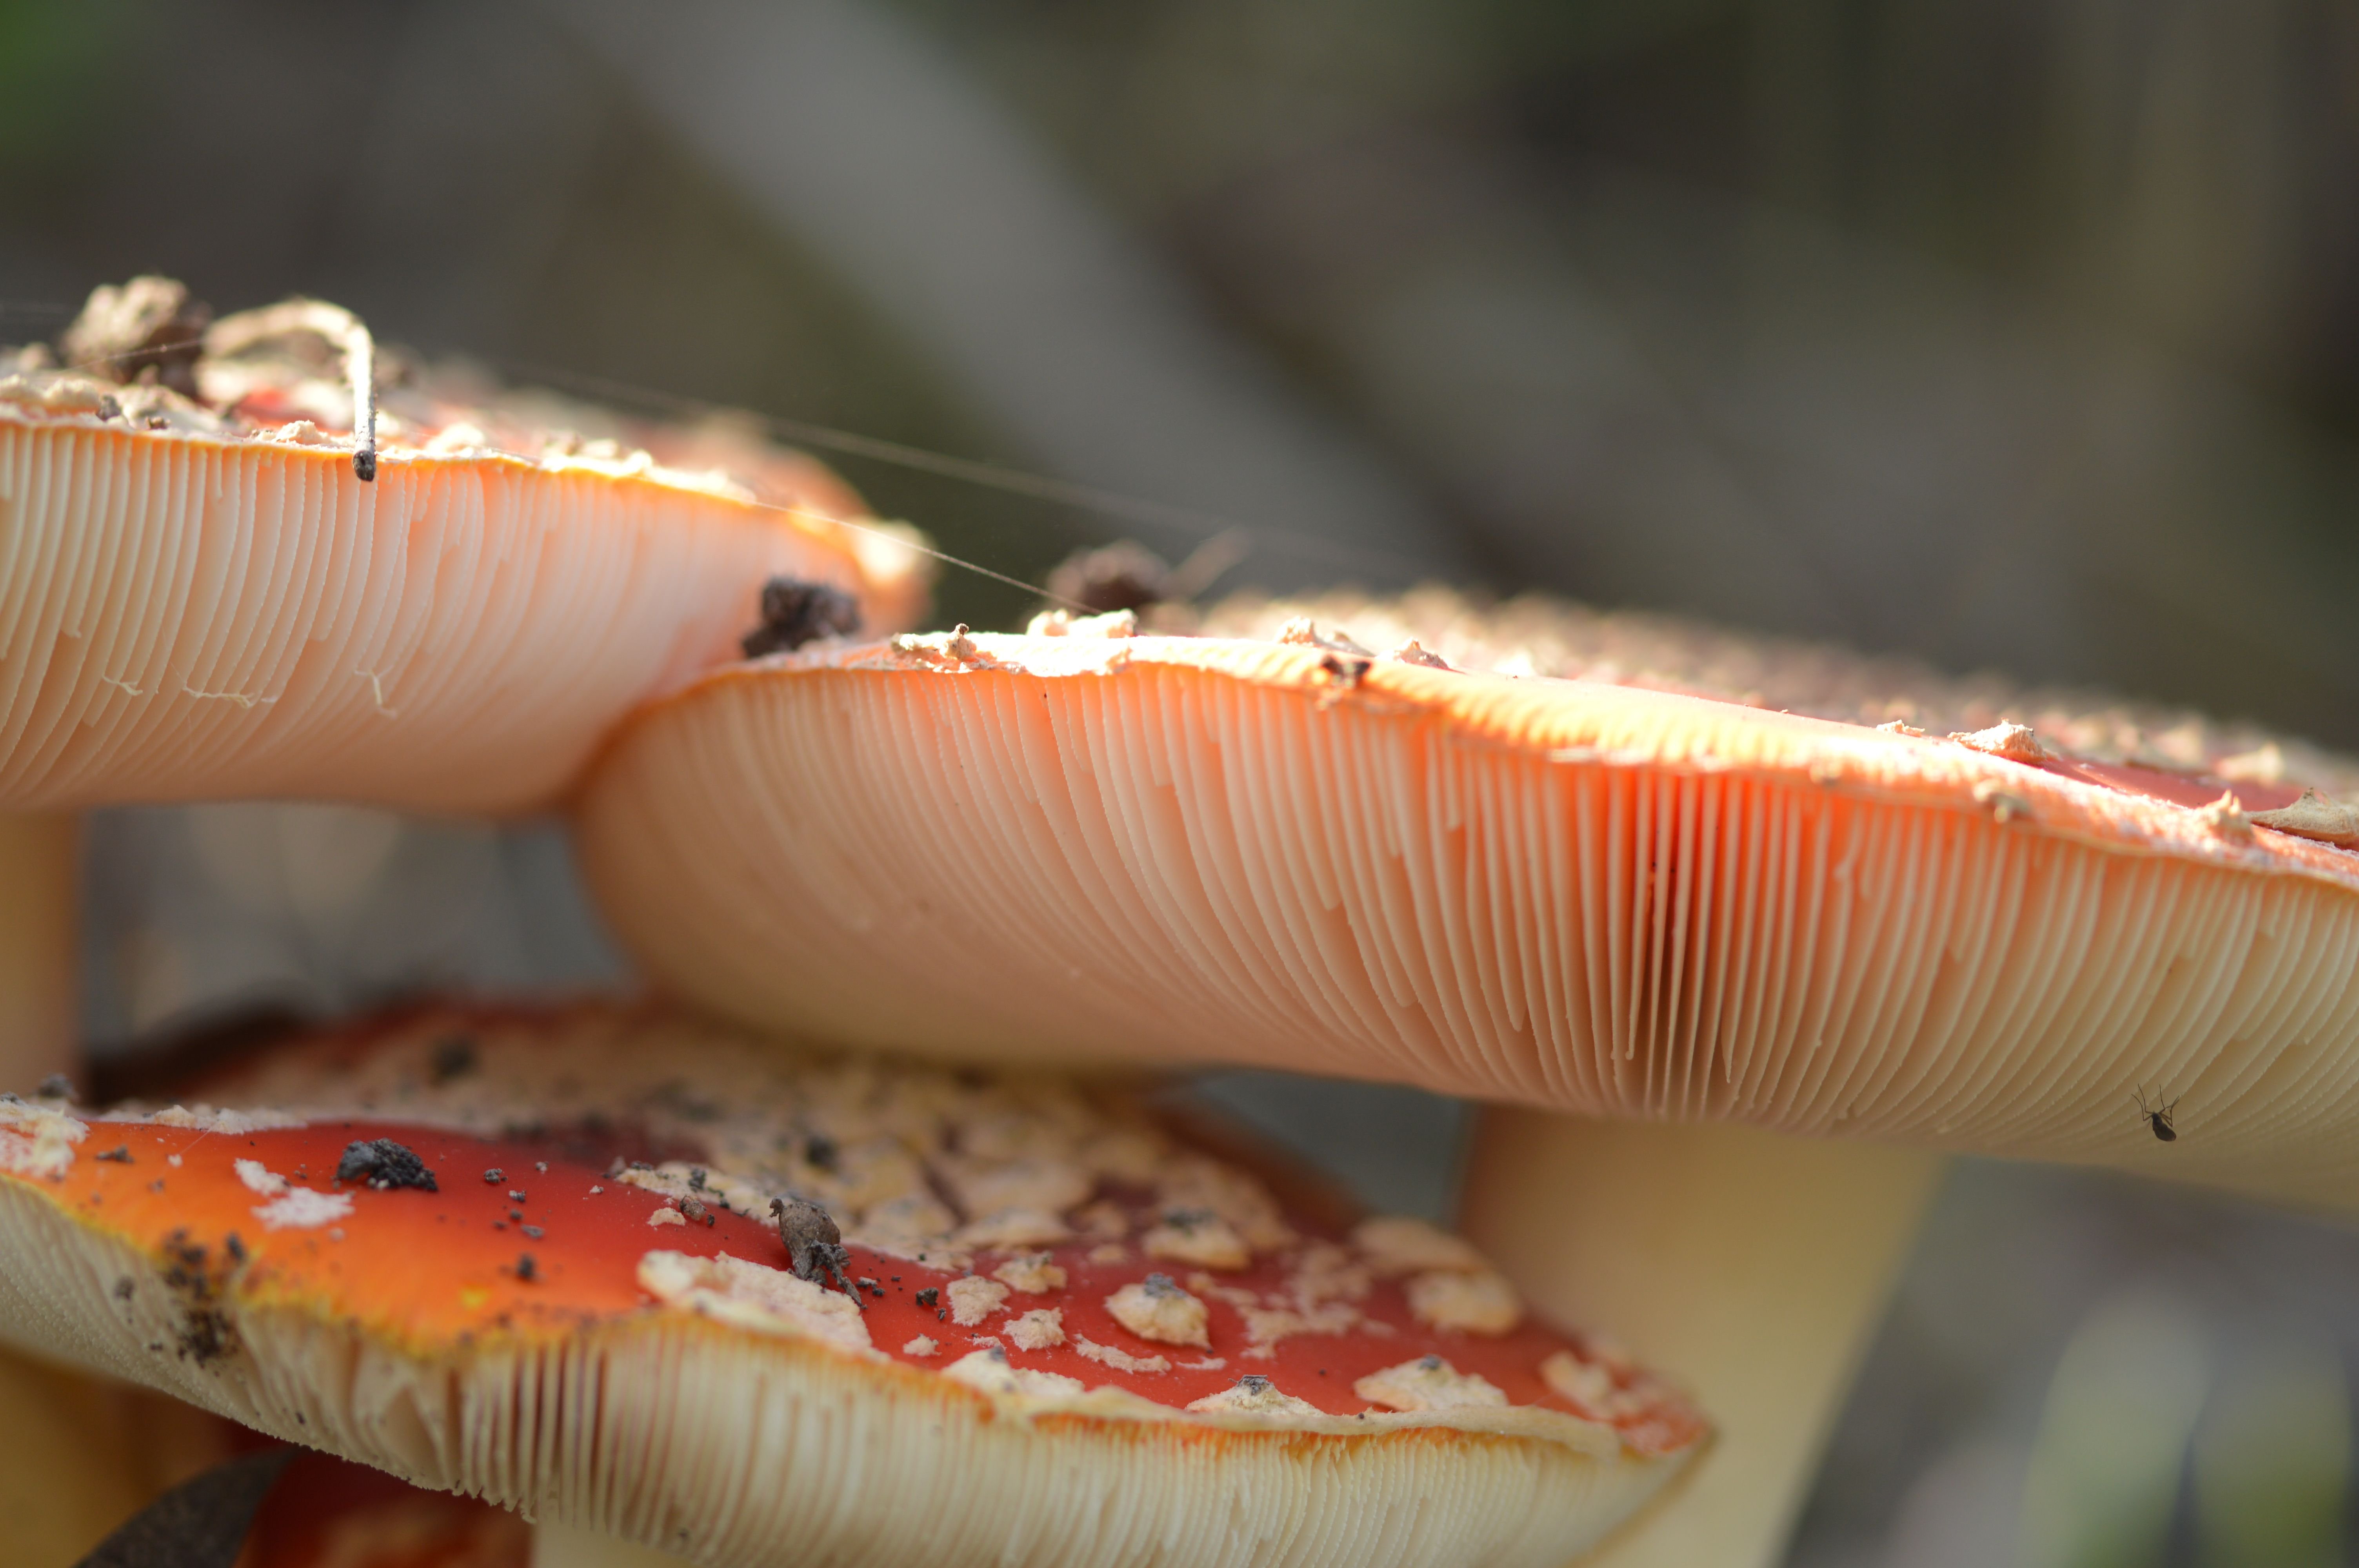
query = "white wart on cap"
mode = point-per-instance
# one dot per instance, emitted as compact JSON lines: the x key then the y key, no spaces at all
{"x":624,"y":1346}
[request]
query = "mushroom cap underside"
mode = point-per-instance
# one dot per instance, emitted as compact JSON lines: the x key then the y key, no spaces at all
{"x":209,"y":609}
{"x":626,"y":1346}
{"x":1601,"y":899}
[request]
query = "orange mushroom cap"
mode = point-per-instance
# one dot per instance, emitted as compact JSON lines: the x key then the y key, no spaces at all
{"x":1539,"y":634}
{"x":1602,"y":898}
{"x":1056,"y":1330}
{"x":199,"y":598}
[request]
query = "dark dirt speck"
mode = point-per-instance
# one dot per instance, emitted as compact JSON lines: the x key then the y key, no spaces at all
{"x":205,"y":1333}
{"x":795,"y":613}
{"x":384,"y":1165}
{"x":454,"y":1058}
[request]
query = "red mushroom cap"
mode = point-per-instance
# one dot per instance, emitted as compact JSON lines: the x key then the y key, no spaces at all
{"x":1044,"y":1301}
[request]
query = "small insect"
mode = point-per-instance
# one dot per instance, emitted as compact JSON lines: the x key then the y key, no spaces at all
{"x":2158,"y":1116}
{"x":815,"y":1246}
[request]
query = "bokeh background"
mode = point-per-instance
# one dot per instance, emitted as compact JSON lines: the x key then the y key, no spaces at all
{"x":2019,"y":335}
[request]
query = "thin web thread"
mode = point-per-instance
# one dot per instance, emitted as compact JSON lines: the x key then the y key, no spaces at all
{"x":900,"y":542}
{"x":1219,"y":536}
{"x":987,"y":475}
{"x":895,"y":540}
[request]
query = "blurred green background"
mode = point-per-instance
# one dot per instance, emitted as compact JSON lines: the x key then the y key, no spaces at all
{"x":2013,"y":335}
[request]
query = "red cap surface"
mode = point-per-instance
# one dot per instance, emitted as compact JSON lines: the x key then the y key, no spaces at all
{"x":551,"y":1275}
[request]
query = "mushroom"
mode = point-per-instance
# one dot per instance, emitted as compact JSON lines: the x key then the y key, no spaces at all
{"x":203,"y":596}
{"x":203,"y":599}
{"x":1610,"y":900}
{"x":209,"y":589}
{"x":553,"y":1259}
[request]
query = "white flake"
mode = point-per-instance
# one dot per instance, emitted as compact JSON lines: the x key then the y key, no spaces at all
{"x":258,"y":1178}
{"x":302,"y":1209}
{"x":988,"y":1371}
{"x":971,"y":1300}
{"x":1251,"y":1395}
{"x":1429,"y":1383}
{"x":1120,"y":1361}
{"x":1162,"y":1311}
{"x":753,"y":1296}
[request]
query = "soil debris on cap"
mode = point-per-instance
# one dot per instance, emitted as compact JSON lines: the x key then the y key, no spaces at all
{"x":146,"y":327}
{"x":454,"y":1058}
{"x":795,"y":612}
{"x":1121,"y":575}
{"x":384,"y":1165}
{"x":205,"y":1333}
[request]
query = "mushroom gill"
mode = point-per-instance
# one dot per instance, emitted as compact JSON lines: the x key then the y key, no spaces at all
{"x":1597,"y":899}
{"x":1615,"y":897}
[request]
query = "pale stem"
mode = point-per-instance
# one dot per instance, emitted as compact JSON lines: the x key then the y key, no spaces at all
{"x":78,"y":1452}
{"x":38,"y":921}
{"x":62,"y":1478}
{"x":1749,"y":1266}
{"x":572,"y":1546}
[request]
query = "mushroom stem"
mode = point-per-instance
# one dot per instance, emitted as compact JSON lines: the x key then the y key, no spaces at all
{"x":1751,"y":1265}
{"x":558,"y":1545}
{"x":64,"y":1478}
{"x":78,"y":1453}
{"x":38,"y":920}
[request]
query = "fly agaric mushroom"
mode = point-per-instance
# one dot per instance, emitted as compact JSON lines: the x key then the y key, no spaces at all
{"x":203,"y":596}
{"x":207,"y":591}
{"x":1814,"y":1230}
{"x":1618,"y":902}
{"x":532,"y":1256}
